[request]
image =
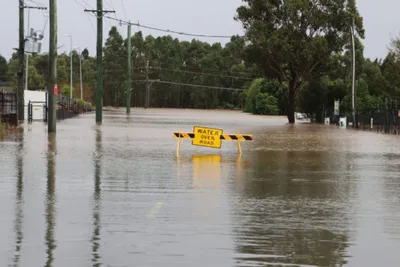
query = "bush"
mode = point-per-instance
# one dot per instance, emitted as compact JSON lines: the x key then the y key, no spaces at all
{"x":265,"y":97}
{"x":266,"y":104}
{"x":251,"y":94}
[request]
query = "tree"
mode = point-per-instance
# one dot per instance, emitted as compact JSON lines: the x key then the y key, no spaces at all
{"x":390,"y":69}
{"x":3,"y":68}
{"x":291,"y":39}
{"x":115,"y":65}
{"x":85,"y":54}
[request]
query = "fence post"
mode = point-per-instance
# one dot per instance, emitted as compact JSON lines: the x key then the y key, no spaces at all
{"x":29,"y":111}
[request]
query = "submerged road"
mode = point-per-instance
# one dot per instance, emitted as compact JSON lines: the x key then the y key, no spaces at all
{"x":116,"y":194}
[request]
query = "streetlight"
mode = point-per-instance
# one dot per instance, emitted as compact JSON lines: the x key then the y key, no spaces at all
{"x":70,"y":83}
{"x":80,"y":70}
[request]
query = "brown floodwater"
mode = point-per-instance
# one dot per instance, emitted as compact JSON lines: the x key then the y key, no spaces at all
{"x":118,"y":195}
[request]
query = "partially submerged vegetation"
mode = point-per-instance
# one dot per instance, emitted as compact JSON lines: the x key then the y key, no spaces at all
{"x":2,"y":130}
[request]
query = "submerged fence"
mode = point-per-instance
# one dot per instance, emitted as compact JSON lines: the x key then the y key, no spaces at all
{"x":66,"y":108}
{"x":8,"y":107}
{"x":382,"y":120}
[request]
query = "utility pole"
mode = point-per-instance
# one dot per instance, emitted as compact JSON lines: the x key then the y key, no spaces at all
{"x":353,"y":85}
{"x":21,"y":52}
{"x":52,"y":81}
{"x":27,"y":55}
{"x":147,"y":86}
{"x":99,"y":91}
{"x":129,"y":83}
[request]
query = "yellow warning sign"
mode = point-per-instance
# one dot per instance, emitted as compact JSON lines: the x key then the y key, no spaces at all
{"x":207,"y":137}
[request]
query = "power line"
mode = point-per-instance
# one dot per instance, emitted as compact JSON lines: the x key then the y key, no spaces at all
{"x":194,"y":85}
{"x":107,"y":3}
{"x":87,"y":15}
{"x":183,"y":84}
{"x":203,"y":73}
{"x":167,"y":30}
{"x":113,"y":7}
{"x":169,"y":63}
{"x":79,"y":3}
{"x":123,"y":7}
{"x":37,"y":3}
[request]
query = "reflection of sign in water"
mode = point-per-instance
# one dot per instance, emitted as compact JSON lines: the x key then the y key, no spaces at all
{"x":336,"y":108}
{"x":207,"y":137}
{"x":206,"y":171}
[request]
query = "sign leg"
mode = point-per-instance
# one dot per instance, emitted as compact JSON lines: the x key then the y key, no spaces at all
{"x":178,"y":148}
{"x":239,"y":146}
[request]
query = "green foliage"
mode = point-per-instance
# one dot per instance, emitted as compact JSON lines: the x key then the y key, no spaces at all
{"x":66,"y":90}
{"x":292,"y":39}
{"x":2,"y":129}
{"x":83,"y":104}
{"x":365,"y":100}
{"x":262,"y":97}
{"x":251,"y":95}
{"x":266,"y":104}
{"x":3,"y":68}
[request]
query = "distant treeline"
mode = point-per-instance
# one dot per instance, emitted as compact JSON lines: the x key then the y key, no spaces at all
{"x":287,"y":61}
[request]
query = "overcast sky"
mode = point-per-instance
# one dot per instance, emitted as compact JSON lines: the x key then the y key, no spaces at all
{"x":212,"y":17}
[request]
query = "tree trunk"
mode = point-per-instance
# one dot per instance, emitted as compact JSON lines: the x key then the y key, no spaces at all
{"x":291,"y":105}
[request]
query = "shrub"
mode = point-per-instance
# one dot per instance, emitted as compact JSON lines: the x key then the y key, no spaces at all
{"x":266,"y":104}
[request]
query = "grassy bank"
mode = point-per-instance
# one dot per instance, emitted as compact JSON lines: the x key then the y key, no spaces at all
{"x":2,"y":130}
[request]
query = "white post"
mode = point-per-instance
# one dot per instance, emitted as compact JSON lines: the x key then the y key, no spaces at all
{"x":80,"y":72}
{"x":70,"y":86}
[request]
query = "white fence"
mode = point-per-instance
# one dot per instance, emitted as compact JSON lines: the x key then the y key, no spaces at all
{"x":38,"y":108}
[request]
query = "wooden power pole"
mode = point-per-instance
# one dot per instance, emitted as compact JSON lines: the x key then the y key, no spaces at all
{"x":129,"y":82}
{"x":353,"y":84}
{"x":99,"y":88}
{"x":52,"y":80}
{"x":21,"y":52}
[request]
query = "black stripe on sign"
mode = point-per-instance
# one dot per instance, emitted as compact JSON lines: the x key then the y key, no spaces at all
{"x":177,"y":135}
{"x":234,"y":137}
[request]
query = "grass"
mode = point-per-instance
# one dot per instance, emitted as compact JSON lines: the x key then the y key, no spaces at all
{"x":2,"y":130}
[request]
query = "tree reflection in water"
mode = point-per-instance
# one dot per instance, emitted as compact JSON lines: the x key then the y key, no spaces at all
{"x":97,"y":198}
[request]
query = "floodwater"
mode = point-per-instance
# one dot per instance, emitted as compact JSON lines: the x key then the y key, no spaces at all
{"x":118,"y":195}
